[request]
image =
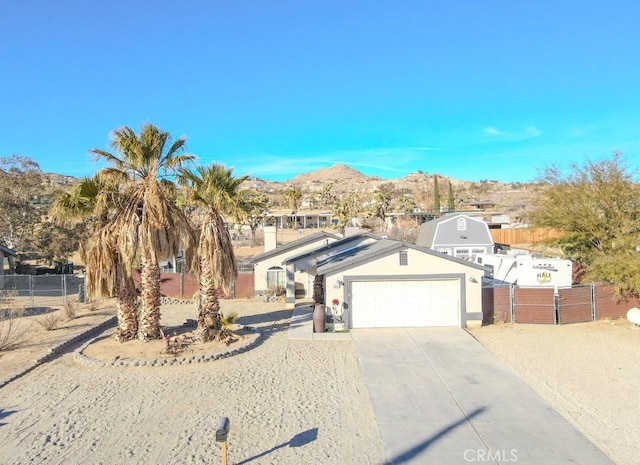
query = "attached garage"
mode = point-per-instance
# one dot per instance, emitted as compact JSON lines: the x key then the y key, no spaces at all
{"x":405,"y":303}
{"x":398,"y":284}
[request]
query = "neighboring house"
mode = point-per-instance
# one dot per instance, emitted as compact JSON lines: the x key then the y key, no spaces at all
{"x":456,"y":235}
{"x":388,"y":283}
{"x":269,"y":271}
{"x":10,"y":255}
{"x":301,"y":219}
{"x":481,"y":205}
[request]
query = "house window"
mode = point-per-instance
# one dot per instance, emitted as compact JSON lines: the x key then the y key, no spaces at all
{"x":404,"y":258}
{"x":463,"y":253}
{"x":276,"y":277}
{"x":462,"y":224}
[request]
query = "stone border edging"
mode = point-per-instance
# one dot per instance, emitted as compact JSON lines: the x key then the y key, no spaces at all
{"x":60,"y":348}
{"x":162,"y":361}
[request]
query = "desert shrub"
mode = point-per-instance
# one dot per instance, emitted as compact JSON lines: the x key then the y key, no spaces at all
{"x":230,"y":319}
{"x":71,"y":309}
{"x":94,"y":305}
{"x":13,"y":330}
{"x":276,"y":291}
{"x":49,"y":321}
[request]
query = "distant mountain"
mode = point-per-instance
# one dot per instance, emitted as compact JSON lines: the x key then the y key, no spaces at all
{"x":335,"y":173}
{"x":514,"y":198}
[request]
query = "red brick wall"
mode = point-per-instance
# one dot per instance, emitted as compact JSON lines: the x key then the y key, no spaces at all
{"x":534,"y":305}
{"x":244,"y":286}
{"x":608,"y":306}
{"x":496,"y":305}
{"x":170,"y":286}
{"x":574,"y":305}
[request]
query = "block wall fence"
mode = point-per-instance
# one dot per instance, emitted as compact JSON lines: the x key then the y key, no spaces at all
{"x":183,"y":286}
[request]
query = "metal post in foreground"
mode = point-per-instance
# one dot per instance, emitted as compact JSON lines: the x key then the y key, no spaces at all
{"x":222,"y":431}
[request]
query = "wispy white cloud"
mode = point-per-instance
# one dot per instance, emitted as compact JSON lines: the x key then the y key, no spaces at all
{"x":491,"y":131}
{"x":528,"y":132}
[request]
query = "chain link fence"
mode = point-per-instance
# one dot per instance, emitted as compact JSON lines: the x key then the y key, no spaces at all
{"x":33,"y":291}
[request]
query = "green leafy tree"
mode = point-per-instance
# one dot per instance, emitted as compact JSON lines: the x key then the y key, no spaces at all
{"x":597,"y":207}
{"x":293,"y":197}
{"x":436,"y":194}
{"x":346,"y":208}
{"x":451,"y":200}
{"x":326,"y":197}
{"x":382,"y":200}
{"x":21,"y":190}
{"x":254,"y":207}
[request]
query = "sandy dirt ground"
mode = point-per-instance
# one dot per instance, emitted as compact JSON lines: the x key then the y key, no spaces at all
{"x":590,"y":372}
{"x":37,"y":340}
{"x":289,"y":402}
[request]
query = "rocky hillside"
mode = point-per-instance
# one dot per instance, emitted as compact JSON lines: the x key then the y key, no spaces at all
{"x":513,"y":198}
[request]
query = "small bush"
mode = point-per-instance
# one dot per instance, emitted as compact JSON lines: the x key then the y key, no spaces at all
{"x":93,"y":305}
{"x":49,"y":321}
{"x":230,"y":319}
{"x":276,"y":291}
{"x":71,"y":309}
{"x":13,"y":331}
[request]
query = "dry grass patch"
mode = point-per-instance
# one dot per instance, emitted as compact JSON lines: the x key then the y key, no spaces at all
{"x":14,"y":331}
{"x":48,"y":321}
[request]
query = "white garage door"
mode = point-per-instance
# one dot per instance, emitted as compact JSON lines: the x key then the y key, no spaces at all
{"x":385,"y":304}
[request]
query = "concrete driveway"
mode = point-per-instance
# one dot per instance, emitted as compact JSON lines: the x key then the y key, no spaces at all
{"x":441,"y":398}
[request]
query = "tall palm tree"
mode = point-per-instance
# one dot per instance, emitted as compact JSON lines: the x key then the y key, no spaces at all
{"x":149,"y":224}
{"x":93,"y":201}
{"x":216,"y":190}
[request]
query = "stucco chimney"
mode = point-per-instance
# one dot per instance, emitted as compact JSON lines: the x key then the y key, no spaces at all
{"x":270,"y":238}
{"x":351,"y":231}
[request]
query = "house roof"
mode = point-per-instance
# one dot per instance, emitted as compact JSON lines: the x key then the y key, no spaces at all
{"x":7,"y":251}
{"x":309,"y":212}
{"x":328,"y":247}
{"x":375,"y":250}
{"x":427,"y":232}
{"x":289,"y":246}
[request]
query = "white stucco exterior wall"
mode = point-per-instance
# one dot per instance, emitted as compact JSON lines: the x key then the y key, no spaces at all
{"x":420,"y":264}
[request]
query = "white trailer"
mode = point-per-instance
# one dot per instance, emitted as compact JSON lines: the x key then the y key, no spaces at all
{"x":503,"y":269}
{"x":527,"y":270}
{"x":544,"y":272}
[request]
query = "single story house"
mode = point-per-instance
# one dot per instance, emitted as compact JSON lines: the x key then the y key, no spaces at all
{"x":301,"y":219}
{"x":269,"y":271}
{"x":387,"y":283}
{"x":456,"y":235}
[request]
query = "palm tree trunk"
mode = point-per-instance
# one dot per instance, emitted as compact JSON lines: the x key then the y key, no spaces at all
{"x":209,"y":319}
{"x":149,"y":327}
{"x":127,"y":318}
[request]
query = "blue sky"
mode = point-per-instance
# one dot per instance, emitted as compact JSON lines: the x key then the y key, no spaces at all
{"x":468,"y":89}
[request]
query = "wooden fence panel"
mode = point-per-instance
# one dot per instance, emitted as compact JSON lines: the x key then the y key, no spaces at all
{"x":523,"y":235}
